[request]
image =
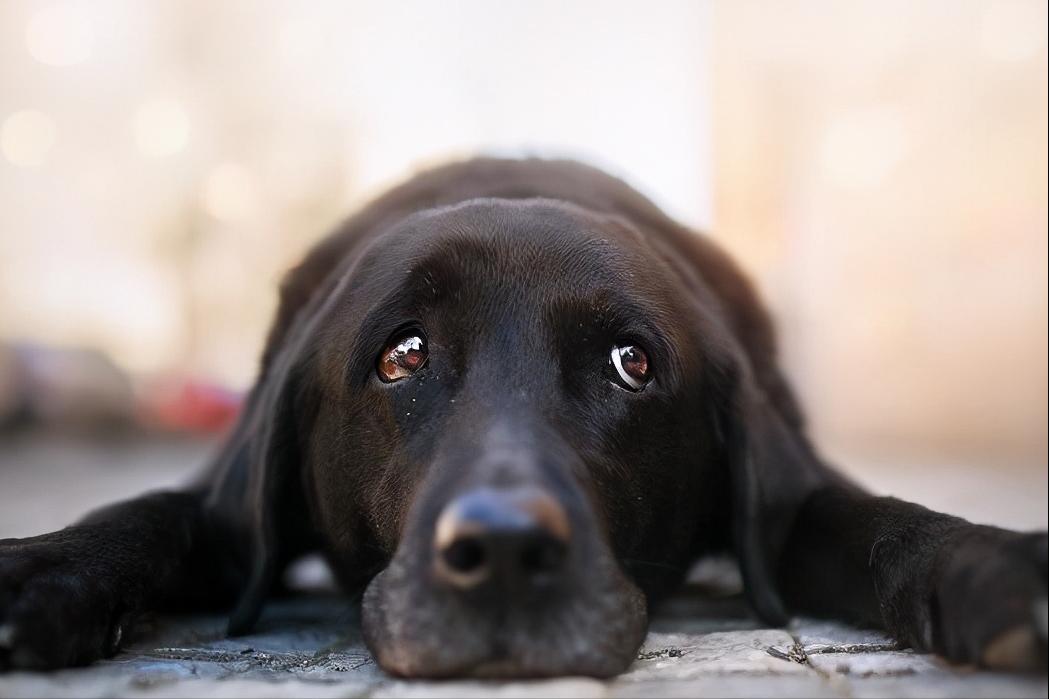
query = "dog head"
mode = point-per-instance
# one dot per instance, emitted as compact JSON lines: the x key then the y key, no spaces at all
{"x":517,"y":423}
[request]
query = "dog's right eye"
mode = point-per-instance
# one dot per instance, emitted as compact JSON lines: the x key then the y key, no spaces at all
{"x":631,"y":365}
{"x":404,"y":356}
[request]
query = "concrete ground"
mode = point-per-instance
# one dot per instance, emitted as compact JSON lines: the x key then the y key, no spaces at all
{"x":702,"y":643}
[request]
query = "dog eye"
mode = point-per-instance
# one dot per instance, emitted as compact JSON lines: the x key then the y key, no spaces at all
{"x":631,"y":363}
{"x":402,"y":357}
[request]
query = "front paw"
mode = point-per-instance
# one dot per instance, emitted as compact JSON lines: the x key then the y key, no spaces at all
{"x":60,"y":603}
{"x":988,"y":603}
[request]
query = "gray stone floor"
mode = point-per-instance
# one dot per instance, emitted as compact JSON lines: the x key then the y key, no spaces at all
{"x":701,"y":643}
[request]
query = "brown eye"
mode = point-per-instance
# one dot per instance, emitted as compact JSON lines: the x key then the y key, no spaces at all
{"x":631,"y":363}
{"x":403,"y":357}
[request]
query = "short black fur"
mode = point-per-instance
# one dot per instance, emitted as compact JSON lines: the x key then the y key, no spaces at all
{"x":522,"y":275}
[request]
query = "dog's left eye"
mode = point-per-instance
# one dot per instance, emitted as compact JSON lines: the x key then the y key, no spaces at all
{"x":404,"y":356}
{"x":631,"y":363}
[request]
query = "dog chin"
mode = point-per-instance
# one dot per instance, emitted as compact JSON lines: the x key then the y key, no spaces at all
{"x":415,"y":631}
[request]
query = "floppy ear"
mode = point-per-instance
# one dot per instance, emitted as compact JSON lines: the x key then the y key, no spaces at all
{"x":268,"y":444}
{"x":274,"y":498}
{"x":773,"y":469}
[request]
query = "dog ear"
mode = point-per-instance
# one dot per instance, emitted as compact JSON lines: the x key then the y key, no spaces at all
{"x":772,"y":470}
{"x":273,"y":490}
{"x":268,"y":442}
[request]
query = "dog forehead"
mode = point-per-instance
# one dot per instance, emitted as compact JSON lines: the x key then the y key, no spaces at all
{"x":534,"y":271}
{"x":540,"y":247}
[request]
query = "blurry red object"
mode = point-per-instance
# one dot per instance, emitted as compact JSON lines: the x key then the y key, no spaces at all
{"x":189,"y":405}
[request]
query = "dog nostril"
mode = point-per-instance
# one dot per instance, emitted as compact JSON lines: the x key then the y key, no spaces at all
{"x":464,"y":556}
{"x":542,"y":557}
{"x":506,"y":539}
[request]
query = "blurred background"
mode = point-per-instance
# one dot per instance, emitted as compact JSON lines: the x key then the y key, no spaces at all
{"x":878,"y":167}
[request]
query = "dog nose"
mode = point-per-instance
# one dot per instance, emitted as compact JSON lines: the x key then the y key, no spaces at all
{"x":512,"y":538}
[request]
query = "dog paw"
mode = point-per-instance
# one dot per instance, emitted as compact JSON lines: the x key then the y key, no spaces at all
{"x":989,"y":602}
{"x":60,"y":604}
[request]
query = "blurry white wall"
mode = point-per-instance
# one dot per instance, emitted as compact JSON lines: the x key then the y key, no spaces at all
{"x":163,"y":162}
{"x":880,"y":168}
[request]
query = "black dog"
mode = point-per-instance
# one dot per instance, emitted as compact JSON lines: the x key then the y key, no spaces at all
{"x":513,"y":402}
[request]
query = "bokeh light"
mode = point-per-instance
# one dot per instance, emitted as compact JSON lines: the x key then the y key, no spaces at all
{"x":27,"y":137}
{"x":161,"y":127}
{"x":880,"y":172}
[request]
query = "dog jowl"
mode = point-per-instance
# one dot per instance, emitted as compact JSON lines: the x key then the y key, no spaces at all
{"x":512,"y":402}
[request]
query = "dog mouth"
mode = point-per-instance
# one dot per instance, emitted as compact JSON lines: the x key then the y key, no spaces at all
{"x":418,"y":629}
{"x":503,"y":581}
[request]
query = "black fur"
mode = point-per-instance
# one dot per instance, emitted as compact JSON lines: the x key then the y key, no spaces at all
{"x":523,"y":275}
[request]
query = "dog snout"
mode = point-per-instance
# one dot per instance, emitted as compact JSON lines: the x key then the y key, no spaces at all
{"x":509,"y":540}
